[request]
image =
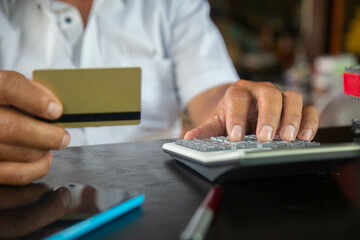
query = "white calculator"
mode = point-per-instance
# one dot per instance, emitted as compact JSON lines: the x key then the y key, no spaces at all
{"x":219,"y":159}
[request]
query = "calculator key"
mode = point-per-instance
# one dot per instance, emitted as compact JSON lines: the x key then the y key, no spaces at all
{"x":266,"y":144}
{"x":225,"y":146}
{"x":208,"y":148}
{"x":250,"y":145}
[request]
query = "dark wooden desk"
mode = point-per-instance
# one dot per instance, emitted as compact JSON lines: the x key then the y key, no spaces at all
{"x":323,"y":206}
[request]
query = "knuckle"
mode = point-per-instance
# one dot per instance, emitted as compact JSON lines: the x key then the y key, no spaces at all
{"x":291,"y":93}
{"x":244,"y":99}
{"x":241,"y":83}
{"x":237,"y":91}
{"x":6,"y":75}
{"x":293,"y":119}
{"x":294,"y":95}
{"x":234,"y":87}
{"x":271,"y":119}
{"x":34,"y":154}
{"x":241,"y":96}
{"x":13,"y":128}
{"x":8,"y":127}
{"x":274,"y":92}
{"x":311,"y":109}
{"x":268,"y":84}
{"x":8,"y":80}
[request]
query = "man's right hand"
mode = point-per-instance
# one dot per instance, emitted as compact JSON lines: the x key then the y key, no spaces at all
{"x":25,"y":141}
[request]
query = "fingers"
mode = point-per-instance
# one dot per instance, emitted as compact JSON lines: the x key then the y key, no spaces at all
{"x":297,"y":120}
{"x":263,"y":99}
{"x":309,"y":124}
{"x":269,"y":101}
{"x":22,"y":173}
{"x":238,"y":101}
{"x":19,"y":129}
{"x":24,"y":141}
{"x":19,"y":154}
{"x":17,"y":91}
{"x":247,"y":104}
{"x":291,"y":116}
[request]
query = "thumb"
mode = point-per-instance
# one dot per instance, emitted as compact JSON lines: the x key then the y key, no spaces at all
{"x":213,"y":127}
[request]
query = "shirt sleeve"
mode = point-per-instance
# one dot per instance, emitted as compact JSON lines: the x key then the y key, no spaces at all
{"x":200,"y":57}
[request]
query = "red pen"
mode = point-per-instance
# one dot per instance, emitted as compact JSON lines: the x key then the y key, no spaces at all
{"x":200,"y":221}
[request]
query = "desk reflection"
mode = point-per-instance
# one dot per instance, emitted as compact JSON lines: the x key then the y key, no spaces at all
{"x":36,"y":210}
{"x":24,"y":210}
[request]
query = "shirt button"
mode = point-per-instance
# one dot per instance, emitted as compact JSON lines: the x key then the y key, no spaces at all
{"x":68,"y":20}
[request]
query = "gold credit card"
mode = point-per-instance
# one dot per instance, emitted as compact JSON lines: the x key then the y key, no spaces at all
{"x":95,"y":97}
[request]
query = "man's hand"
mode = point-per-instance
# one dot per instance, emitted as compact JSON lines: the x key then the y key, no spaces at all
{"x":256,"y":107}
{"x":25,"y":141}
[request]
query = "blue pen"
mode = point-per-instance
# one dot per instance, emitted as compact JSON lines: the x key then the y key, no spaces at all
{"x":97,"y":220}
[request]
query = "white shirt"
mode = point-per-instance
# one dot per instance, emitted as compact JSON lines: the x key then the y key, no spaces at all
{"x":178,"y":48}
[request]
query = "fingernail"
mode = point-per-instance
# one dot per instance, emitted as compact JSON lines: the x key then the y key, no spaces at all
{"x":289,"y":132}
{"x":186,"y":135}
{"x":54,"y":110}
{"x":50,"y":157}
{"x":266,"y":133}
{"x":236,"y":133}
{"x":307,"y":134}
{"x":65,"y":140}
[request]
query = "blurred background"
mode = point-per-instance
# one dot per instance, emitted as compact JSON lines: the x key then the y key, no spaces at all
{"x":301,"y":45}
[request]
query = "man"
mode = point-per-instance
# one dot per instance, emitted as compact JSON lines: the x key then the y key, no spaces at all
{"x":184,"y":65}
